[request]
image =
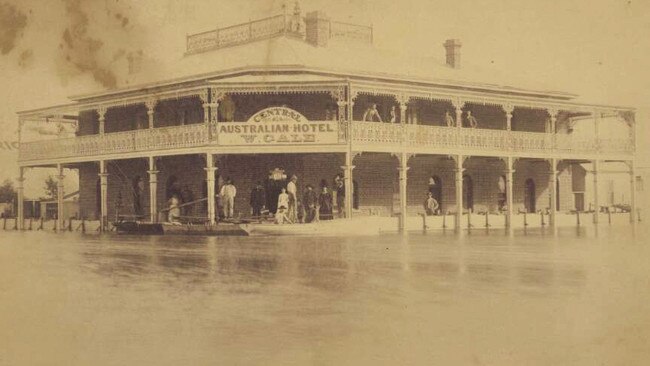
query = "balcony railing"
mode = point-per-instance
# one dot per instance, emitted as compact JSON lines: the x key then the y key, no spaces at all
{"x":373,"y":135}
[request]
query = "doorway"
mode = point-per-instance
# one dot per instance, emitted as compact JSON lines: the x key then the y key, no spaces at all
{"x":529,"y":196}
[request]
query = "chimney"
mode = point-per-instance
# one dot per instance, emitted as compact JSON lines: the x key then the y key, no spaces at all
{"x":452,"y":48}
{"x":317,"y":28}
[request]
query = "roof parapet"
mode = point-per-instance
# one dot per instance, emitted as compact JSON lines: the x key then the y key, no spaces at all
{"x":319,"y":26}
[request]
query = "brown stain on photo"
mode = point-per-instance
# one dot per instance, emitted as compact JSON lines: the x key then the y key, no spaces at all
{"x":12,"y":23}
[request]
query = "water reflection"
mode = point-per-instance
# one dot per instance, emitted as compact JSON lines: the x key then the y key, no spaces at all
{"x":376,"y":300}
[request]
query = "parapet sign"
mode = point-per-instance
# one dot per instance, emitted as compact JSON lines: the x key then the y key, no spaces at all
{"x":277,"y":126}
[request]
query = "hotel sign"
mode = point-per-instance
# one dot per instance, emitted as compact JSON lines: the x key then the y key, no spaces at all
{"x":278,"y":126}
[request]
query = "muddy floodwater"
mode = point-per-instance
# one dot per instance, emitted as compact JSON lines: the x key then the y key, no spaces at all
{"x":578,"y":298}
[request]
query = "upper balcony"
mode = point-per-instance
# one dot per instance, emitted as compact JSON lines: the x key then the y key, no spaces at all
{"x":364,"y":136}
{"x":189,"y":125}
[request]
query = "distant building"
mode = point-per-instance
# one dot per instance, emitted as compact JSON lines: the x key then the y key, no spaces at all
{"x":313,"y":97}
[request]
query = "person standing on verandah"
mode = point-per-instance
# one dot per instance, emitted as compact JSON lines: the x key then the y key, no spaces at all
{"x":310,"y":202}
{"x":325,"y":202}
{"x":430,"y":205}
{"x":228,"y":193}
{"x":292,"y":191}
{"x":258,"y":200}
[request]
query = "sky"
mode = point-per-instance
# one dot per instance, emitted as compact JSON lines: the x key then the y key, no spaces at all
{"x":595,"y":48}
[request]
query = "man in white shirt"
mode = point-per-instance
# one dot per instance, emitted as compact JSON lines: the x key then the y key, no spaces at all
{"x":228,"y":193}
{"x":292,"y":191}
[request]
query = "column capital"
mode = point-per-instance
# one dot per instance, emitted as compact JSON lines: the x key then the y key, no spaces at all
{"x":103,"y":175}
{"x":346,"y":167}
{"x":211,"y":169}
{"x":150,"y":103}
{"x":508,"y":108}
{"x":338,"y":95}
{"x":101,"y":111}
{"x":552,"y":112}
{"x":457,"y":103}
{"x":153,"y":172}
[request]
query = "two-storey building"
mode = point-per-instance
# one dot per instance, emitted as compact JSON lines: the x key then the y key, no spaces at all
{"x":310,"y":96}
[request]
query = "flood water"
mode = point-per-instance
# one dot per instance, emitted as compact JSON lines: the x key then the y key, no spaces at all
{"x":578,"y":298}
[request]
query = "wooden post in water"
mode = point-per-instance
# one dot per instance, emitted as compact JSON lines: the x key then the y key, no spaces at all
{"x":54,"y":227}
{"x":30,"y":224}
{"x":16,"y":223}
{"x":40,"y":226}
{"x":609,"y":216}
{"x":541,"y":215}
{"x":578,"y":218}
{"x":525,"y":219}
{"x":638,"y":214}
{"x":444,"y":220}
{"x":487,"y":219}
{"x":70,"y":225}
{"x":83,"y":225}
{"x":469,"y":218}
{"x":4,"y":223}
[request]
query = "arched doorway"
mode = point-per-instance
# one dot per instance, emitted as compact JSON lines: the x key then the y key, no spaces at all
{"x":172,"y":187}
{"x":468,"y":193}
{"x":529,"y":195}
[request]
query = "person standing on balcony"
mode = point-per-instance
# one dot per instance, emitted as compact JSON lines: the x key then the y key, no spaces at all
{"x":372,"y":113}
{"x":471,"y":120}
{"x":228,"y":193}
{"x":449,"y":119}
{"x":393,"y":114}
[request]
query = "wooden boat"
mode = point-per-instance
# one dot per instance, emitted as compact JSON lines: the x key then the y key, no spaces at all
{"x":146,"y":228}
{"x":322,"y":228}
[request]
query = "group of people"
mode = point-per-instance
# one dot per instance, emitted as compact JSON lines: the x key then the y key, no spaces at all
{"x":372,"y":115}
{"x":314,"y":205}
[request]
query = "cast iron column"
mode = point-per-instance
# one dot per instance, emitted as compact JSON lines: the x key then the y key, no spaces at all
{"x":209,"y":171}
{"x":59,"y":198}
{"x":103,"y":184}
{"x":459,"y":191}
{"x":153,"y":190}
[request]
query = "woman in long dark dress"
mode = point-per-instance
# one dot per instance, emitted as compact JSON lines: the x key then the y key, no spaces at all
{"x":325,"y":203}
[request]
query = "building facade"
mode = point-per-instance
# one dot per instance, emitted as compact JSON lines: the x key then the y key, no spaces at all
{"x":311,"y":97}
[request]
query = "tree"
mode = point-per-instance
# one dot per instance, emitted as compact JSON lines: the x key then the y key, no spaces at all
{"x":51,"y":188}
{"x":7,"y":191}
